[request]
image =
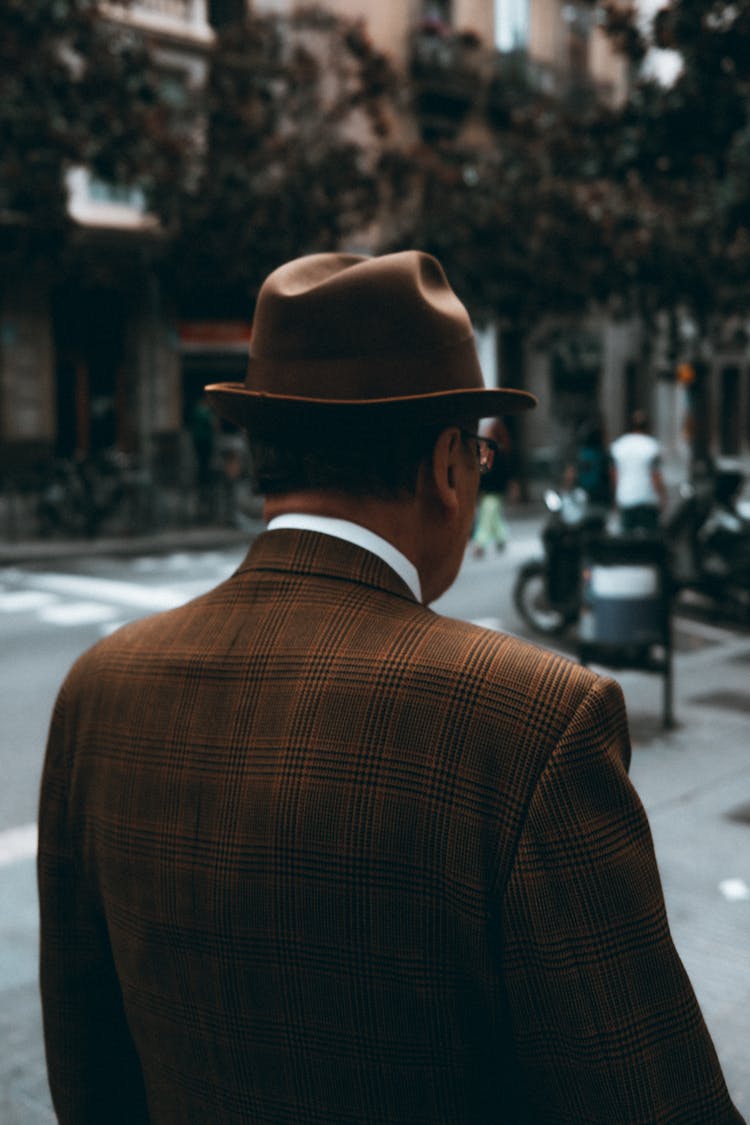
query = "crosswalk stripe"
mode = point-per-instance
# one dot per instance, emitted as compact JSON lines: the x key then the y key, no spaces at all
{"x":17,"y":844}
{"x":22,"y":601}
{"x":109,"y":590}
{"x":488,"y":623}
{"x":77,"y":613}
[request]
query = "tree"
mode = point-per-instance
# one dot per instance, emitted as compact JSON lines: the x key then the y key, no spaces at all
{"x":74,"y":90}
{"x":296,"y":111}
{"x":519,"y":205}
{"x":506,"y":204}
{"x":681,"y":152}
{"x":645,"y":204}
{"x":560,"y":205}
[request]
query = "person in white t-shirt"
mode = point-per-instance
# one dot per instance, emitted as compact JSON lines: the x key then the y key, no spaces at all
{"x":640,"y":494}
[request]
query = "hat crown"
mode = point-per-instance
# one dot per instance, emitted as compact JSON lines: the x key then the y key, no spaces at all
{"x":346,"y":306}
{"x":364,"y":341}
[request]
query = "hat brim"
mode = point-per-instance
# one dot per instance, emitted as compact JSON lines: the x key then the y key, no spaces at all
{"x":253,"y":410}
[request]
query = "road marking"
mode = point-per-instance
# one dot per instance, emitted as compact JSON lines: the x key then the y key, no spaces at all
{"x":78,"y":613}
{"x":112,"y":626}
{"x":488,"y":623}
{"x":21,"y":601}
{"x":182,"y":560}
{"x":109,"y":590}
{"x":95,"y":600}
{"x":703,"y":630}
{"x":734,"y":890}
{"x":17,"y":844}
{"x":518,"y":547}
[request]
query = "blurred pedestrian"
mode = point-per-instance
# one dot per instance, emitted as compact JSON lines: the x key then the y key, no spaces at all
{"x":591,"y":467}
{"x":640,"y":493}
{"x":490,"y":529}
{"x":311,"y":852}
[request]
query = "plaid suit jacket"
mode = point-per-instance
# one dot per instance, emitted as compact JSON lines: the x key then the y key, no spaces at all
{"x":311,"y":853}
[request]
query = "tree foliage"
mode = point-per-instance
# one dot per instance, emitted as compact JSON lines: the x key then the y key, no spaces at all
{"x":568,"y":201}
{"x":516,"y":241}
{"x":296,"y":112}
{"x":511,"y":207}
{"x":289,"y":148}
{"x":275,"y":156}
{"x":74,"y":90}
{"x":683,"y":152}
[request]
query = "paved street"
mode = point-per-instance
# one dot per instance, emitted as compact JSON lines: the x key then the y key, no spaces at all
{"x":695,"y":780}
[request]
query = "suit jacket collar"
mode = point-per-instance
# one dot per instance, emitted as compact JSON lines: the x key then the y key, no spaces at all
{"x":313,"y":554}
{"x":355,"y":533}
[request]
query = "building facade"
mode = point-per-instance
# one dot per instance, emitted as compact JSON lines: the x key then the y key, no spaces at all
{"x":107,"y":361}
{"x":93,"y":363}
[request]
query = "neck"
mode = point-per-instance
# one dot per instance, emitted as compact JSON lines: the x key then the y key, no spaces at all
{"x":430,"y":528}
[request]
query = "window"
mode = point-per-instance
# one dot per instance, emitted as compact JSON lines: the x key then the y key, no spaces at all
{"x":438,"y":11}
{"x":181,"y":10}
{"x":225,"y":12}
{"x":95,"y":203}
{"x":511,"y":24}
{"x":122,"y":195}
{"x":173,"y":87}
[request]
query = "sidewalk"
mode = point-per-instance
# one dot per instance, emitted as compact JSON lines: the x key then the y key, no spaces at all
{"x":694,"y":782}
{"x":172,"y":526}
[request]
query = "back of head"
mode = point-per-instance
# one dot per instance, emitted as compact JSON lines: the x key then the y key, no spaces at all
{"x":591,"y":433}
{"x":639,"y":422}
{"x":382,"y":463}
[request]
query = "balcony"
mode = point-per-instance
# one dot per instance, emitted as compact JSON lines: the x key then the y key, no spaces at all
{"x":517,"y":76}
{"x":183,"y":20}
{"x":446,"y":68}
{"x":107,"y":207}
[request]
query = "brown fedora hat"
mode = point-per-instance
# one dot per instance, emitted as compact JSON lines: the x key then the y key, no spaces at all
{"x":349,"y":338}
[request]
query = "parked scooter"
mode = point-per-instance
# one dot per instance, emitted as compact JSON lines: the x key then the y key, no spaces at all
{"x":547,"y":591}
{"x":709,"y":541}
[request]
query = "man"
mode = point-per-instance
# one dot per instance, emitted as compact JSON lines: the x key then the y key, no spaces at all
{"x":310,"y":852}
{"x":640,"y":493}
{"x":490,"y":529}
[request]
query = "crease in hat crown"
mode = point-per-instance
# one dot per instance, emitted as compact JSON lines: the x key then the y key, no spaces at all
{"x":346,"y":330}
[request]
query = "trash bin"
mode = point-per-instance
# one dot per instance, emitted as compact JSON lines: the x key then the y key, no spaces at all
{"x":625,"y":619}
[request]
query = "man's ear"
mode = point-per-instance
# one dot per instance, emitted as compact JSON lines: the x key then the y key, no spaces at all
{"x":442,"y":469}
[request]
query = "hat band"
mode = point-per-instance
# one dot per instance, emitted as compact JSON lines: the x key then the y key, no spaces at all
{"x":368,"y":377}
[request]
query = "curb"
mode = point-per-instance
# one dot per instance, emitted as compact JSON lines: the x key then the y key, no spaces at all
{"x":158,"y":543}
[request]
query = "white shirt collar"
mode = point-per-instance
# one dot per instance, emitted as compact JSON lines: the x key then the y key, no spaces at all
{"x":359,"y":536}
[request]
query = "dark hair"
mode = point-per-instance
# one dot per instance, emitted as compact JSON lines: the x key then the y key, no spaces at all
{"x":591,"y":433}
{"x":639,"y":422}
{"x":382,"y":463}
